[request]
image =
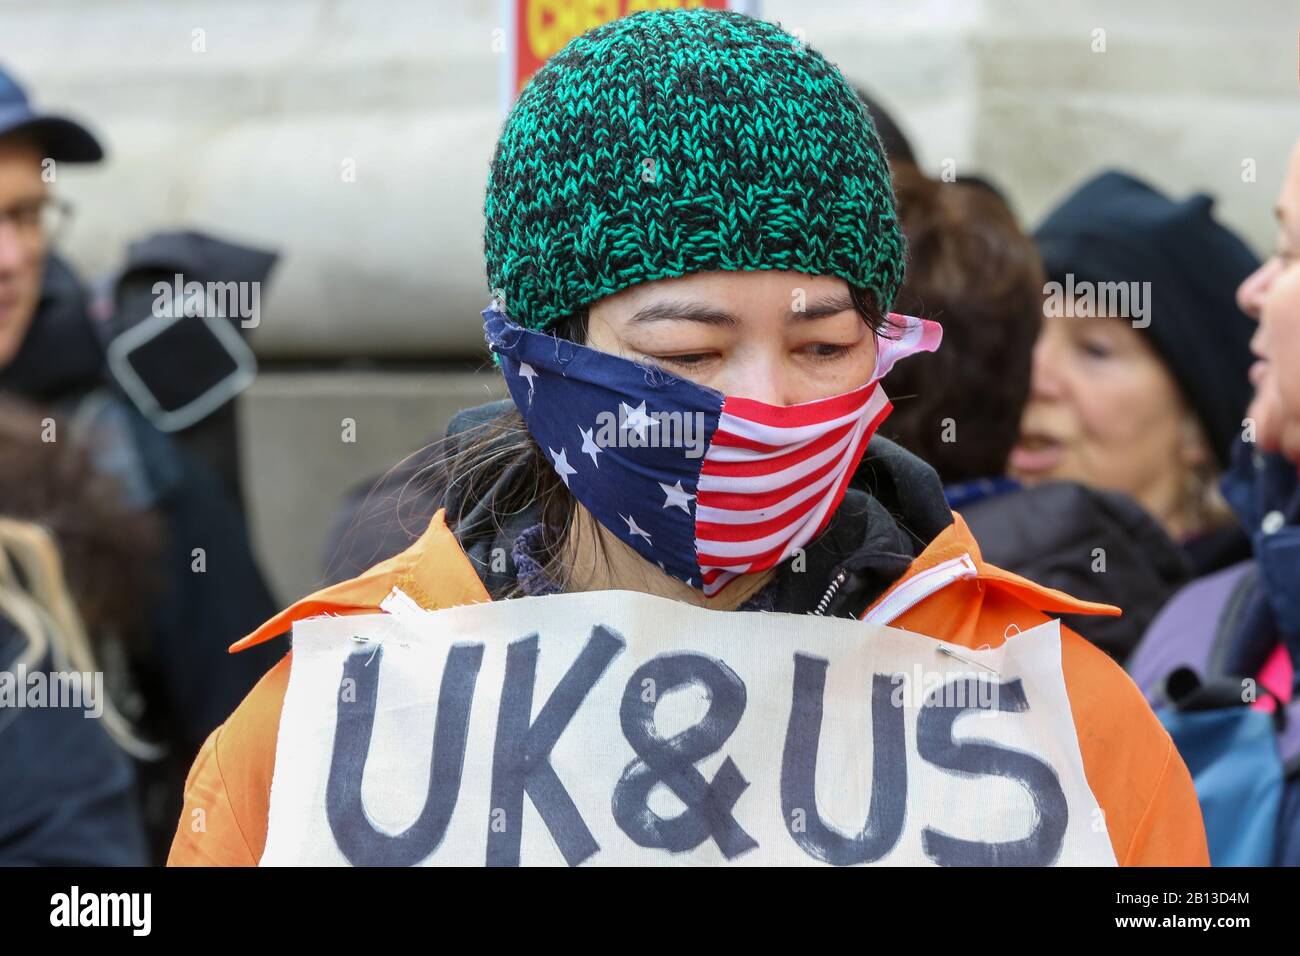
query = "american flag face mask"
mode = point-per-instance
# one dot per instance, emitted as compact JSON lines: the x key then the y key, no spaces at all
{"x":705,"y":485}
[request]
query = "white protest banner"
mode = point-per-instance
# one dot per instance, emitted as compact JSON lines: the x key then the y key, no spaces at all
{"x":619,"y":728}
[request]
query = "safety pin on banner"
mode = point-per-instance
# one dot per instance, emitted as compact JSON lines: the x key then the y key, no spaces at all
{"x":375,"y":641}
{"x":945,"y":649}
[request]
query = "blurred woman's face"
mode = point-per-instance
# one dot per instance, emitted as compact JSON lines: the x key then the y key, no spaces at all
{"x":1272,"y":295}
{"x":778,"y":337}
{"x":1105,"y":411}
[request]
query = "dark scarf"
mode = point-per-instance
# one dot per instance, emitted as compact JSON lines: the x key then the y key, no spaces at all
{"x":61,"y":354}
{"x":1264,"y":490}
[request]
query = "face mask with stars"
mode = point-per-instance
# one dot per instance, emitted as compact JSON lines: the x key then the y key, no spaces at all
{"x":707,"y":486}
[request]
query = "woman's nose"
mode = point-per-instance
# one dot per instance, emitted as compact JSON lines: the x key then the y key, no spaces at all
{"x":1045,"y":380}
{"x":1252,"y":292}
{"x":765,"y":381}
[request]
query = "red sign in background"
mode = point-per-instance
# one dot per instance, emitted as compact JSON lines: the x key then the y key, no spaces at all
{"x":542,"y":27}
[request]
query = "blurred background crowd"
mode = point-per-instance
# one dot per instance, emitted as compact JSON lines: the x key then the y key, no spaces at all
{"x":158,"y":499}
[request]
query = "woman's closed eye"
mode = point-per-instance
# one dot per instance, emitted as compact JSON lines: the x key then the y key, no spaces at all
{"x":687,"y":360}
{"x":827,"y":351}
{"x":1095,"y":348}
{"x":817,"y":352}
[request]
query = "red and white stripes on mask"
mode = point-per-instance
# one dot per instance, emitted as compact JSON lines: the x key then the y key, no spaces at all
{"x":768,"y":481}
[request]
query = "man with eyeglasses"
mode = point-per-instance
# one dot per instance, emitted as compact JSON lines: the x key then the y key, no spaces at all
{"x":31,"y":147}
{"x":69,"y":795}
{"x":52,"y":356}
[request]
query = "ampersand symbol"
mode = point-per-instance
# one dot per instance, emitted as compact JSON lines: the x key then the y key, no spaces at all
{"x":671,"y":761}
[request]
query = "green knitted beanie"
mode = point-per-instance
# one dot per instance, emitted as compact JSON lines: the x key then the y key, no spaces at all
{"x":671,"y":142}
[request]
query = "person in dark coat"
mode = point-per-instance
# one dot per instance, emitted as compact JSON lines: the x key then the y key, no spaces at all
{"x":211,"y":589}
{"x":75,"y":573}
{"x":69,"y":797}
{"x":1140,"y":373}
{"x":1241,"y":625}
{"x":972,"y":269}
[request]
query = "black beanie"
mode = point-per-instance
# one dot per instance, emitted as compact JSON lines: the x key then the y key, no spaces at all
{"x":1116,"y":228}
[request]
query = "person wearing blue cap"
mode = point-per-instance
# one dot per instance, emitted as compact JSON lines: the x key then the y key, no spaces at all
{"x":53,"y":361}
{"x":69,"y":795}
{"x":61,"y":138}
{"x":30,"y":142}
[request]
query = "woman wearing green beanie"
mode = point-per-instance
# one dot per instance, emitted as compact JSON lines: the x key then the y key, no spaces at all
{"x":692,"y":250}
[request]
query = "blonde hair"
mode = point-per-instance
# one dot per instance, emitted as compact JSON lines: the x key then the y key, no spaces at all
{"x":34,"y":597}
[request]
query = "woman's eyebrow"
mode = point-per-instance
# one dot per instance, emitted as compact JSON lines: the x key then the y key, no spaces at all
{"x":688,"y":311}
{"x":671,"y":309}
{"x":832,"y":304}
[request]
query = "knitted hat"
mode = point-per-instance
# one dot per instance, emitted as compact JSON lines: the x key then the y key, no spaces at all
{"x":670,"y":142}
{"x":1117,"y":228}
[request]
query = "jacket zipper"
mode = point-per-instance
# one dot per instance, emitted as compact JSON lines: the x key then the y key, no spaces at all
{"x":903,"y":597}
{"x":836,"y":583}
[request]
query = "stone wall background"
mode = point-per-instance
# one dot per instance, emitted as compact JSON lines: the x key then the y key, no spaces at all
{"x":248,"y":140}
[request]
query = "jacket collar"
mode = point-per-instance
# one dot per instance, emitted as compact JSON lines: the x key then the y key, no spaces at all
{"x":1259,"y":485}
{"x":436,"y":573}
{"x":433,"y":571}
{"x":1264,"y":491}
{"x":956,"y":542}
{"x":60,"y":354}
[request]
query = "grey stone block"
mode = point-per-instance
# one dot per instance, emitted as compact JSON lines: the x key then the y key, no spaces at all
{"x":296,"y":467}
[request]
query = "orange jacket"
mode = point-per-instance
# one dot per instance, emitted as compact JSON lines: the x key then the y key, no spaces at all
{"x":1137,"y":776}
